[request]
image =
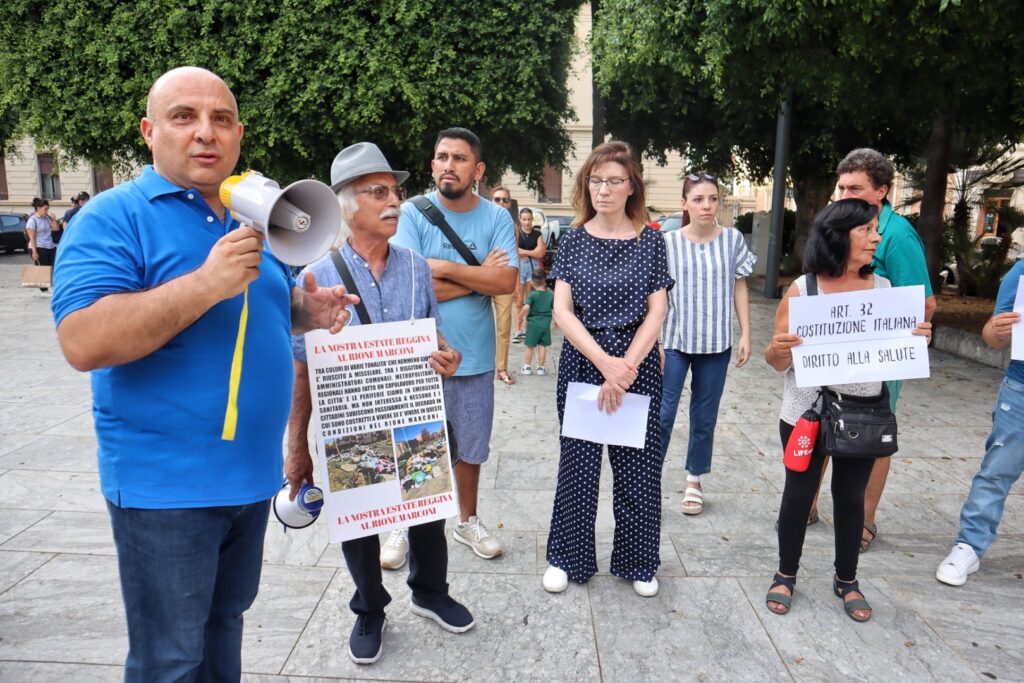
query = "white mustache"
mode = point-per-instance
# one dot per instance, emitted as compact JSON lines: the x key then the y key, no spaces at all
{"x":390,"y":213}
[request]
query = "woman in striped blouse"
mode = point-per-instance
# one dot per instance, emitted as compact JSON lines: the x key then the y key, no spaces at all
{"x":709,"y":264}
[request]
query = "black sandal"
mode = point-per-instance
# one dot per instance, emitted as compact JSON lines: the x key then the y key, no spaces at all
{"x":781,"y":598}
{"x":842,"y":589}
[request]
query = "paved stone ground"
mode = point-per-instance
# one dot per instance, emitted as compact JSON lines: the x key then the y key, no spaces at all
{"x":61,"y":616}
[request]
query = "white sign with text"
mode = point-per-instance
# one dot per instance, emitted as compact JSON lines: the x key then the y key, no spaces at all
{"x":382,"y":443}
{"x":1017,"y":331}
{"x":863,"y":336}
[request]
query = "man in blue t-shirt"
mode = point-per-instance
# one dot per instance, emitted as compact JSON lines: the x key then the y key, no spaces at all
{"x":76,"y":205}
{"x":1004,"y":450}
{"x":150,"y":289}
{"x":464,"y":292}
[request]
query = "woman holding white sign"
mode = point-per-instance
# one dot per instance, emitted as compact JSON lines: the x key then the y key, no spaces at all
{"x":837,"y":258}
{"x":711,"y":264}
{"x":610,"y":281}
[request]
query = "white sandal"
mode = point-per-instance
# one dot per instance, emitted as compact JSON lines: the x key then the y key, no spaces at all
{"x":693,"y":495}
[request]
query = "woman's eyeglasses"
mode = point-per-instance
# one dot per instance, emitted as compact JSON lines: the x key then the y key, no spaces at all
{"x":380,"y":192}
{"x":595,"y":183}
{"x":502,"y":200}
{"x":697,"y":177}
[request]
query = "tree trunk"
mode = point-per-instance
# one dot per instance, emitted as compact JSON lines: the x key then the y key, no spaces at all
{"x":596,"y":100}
{"x":812,"y":194}
{"x":933,"y":201}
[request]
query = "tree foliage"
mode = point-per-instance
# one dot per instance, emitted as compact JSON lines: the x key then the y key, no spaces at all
{"x":311,"y":76}
{"x":706,"y":79}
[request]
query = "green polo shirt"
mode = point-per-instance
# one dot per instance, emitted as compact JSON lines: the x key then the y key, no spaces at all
{"x":900,"y":255}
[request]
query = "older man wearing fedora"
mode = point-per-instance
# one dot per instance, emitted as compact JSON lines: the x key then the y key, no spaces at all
{"x":384,"y":275}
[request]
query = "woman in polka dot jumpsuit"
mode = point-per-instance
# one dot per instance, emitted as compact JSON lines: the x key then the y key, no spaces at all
{"x":610,"y":300}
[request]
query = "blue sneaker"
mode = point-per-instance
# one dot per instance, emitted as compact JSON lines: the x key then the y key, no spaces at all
{"x":366,"y":644}
{"x":449,"y":614}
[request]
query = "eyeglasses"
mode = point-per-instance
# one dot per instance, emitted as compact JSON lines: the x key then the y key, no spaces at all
{"x":502,"y":200}
{"x":696,"y":177}
{"x":380,"y":192}
{"x":595,"y":183}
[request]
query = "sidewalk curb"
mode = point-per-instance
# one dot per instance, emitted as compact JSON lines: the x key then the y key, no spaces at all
{"x":969,"y":345}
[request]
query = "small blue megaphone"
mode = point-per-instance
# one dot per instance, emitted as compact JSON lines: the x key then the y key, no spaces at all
{"x":301,"y":512}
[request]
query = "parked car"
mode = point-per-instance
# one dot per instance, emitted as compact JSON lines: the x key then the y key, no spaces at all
{"x":671,"y":222}
{"x":12,"y":231}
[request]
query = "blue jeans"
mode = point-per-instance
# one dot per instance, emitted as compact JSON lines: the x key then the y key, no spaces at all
{"x":709,"y":370}
{"x":1000,"y":468}
{"x":187,"y":575}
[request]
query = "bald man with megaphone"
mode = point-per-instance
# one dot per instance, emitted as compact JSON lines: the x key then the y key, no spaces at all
{"x":164,"y":294}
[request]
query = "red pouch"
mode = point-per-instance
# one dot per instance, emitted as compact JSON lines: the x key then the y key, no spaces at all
{"x":801,"y":442}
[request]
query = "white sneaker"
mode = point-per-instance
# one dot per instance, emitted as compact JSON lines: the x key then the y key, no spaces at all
{"x":646,"y":589}
{"x":541,"y":370}
{"x":555,"y":580}
{"x":474,"y":534}
{"x":960,"y":562}
{"x":526,"y":370}
{"x":395,"y":550}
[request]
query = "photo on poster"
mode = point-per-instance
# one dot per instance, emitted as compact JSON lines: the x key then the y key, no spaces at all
{"x":362,"y":459}
{"x":423,"y":463}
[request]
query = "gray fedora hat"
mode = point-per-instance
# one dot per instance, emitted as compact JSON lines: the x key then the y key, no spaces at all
{"x":362,"y":158}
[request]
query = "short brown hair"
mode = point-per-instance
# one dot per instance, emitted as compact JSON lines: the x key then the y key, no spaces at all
{"x":621,"y":153}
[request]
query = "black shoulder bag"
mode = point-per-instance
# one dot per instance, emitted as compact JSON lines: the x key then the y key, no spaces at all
{"x":854,"y":426}
{"x":434,"y":215}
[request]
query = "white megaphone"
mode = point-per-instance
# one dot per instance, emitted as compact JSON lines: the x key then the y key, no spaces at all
{"x":301,"y":512}
{"x":301,"y":222}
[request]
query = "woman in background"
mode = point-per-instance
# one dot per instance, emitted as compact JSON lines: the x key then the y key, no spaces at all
{"x":710,"y":265}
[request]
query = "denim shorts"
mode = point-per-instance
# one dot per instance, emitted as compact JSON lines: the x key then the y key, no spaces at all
{"x":469,"y":404}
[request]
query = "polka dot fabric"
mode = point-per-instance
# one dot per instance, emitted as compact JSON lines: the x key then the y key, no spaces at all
{"x":610,"y":282}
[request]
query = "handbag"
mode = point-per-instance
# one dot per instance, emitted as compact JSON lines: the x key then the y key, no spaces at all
{"x":857,"y":426}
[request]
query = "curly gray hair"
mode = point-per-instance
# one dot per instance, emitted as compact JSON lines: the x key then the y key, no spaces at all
{"x":872,"y":162}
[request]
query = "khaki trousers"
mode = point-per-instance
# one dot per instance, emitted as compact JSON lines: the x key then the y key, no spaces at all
{"x":503,"y":329}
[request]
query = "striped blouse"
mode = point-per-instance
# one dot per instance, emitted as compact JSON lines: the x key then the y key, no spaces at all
{"x":700,"y":306}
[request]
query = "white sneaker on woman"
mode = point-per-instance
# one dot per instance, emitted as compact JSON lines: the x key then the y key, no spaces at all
{"x":555,"y":580}
{"x":646,"y":589}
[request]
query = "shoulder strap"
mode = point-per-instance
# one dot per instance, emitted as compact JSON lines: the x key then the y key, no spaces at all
{"x":350,"y":285}
{"x":812,"y":284}
{"x":434,"y":215}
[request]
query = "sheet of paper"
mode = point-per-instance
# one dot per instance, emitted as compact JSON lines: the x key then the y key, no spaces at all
{"x":864,"y":336}
{"x":627,"y":426}
{"x":1017,"y":333}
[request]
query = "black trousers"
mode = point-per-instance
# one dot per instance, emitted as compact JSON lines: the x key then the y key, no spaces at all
{"x":428,"y":567}
{"x":849,"y":481}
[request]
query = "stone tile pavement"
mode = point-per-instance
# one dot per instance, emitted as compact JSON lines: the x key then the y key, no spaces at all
{"x":61,"y":616}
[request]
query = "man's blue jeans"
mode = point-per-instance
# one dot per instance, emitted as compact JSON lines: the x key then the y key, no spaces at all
{"x":187,"y":575}
{"x":1000,"y":468}
{"x":709,"y":370}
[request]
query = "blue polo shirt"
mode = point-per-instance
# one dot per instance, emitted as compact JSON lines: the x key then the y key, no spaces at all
{"x":405,"y":289}
{"x":468,"y":320}
{"x":1004,"y":304}
{"x":159,"y":419}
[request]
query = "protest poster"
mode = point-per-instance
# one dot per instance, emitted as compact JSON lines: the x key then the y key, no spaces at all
{"x":863,"y":336}
{"x":1017,"y":330}
{"x":382,"y":447}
